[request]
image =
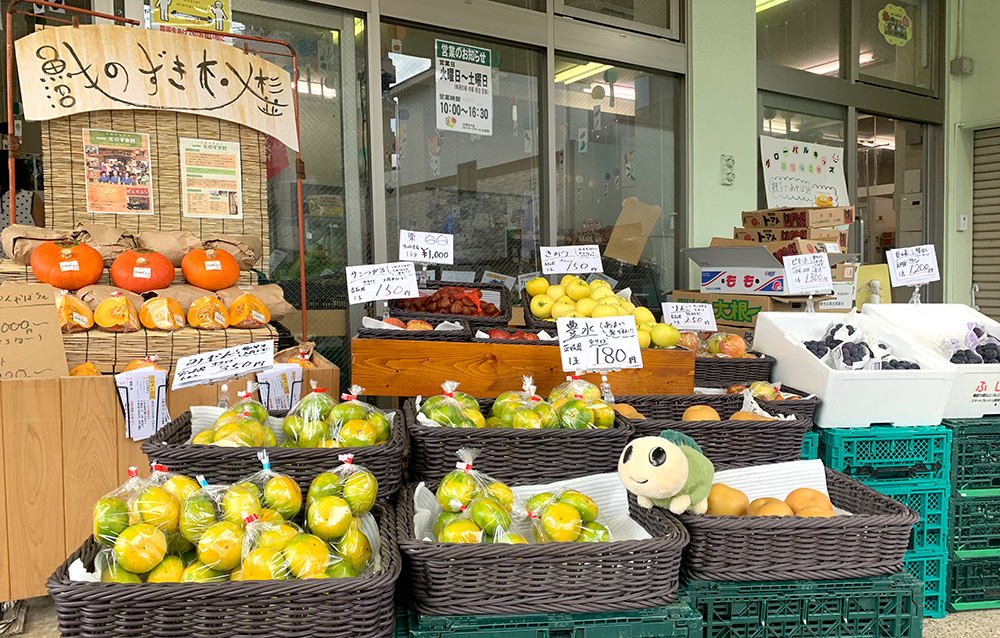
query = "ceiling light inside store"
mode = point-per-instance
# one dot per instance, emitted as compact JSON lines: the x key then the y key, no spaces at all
{"x":316,"y":88}
{"x":359,"y":26}
{"x":622,"y":92}
{"x":832,"y":67}
{"x":581,"y":71}
{"x":764,"y":5}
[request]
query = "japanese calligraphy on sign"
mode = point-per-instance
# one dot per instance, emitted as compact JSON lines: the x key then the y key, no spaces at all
{"x":571,"y":259}
{"x":689,"y":316}
{"x":98,"y":67}
{"x":463,"y":86}
{"x":31,"y":345}
{"x":913,"y":265}
{"x":209,"y":367}
{"x":119,"y":173}
{"x":808,"y":273}
{"x":433,"y":248}
{"x":802,"y":174}
{"x":143,"y":395}
{"x":605,"y":343}
{"x":397,"y":280}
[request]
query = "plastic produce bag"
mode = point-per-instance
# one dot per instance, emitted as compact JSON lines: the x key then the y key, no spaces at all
{"x":723,"y":345}
{"x":201,"y":509}
{"x":573,"y":386}
{"x":111,"y":512}
{"x":338,"y":500}
{"x":306,"y":424}
{"x":277,"y":493}
{"x":523,"y":410}
{"x":262,"y":557}
{"x":359,"y":424}
{"x":451,"y":409}
{"x":566,"y":516}
{"x":475,"y":507}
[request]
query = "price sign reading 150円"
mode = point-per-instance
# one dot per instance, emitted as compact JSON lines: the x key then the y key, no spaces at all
{"x":604,"y":343}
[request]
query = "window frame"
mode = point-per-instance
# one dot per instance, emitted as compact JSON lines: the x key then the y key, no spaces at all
{"x":673,"y":17}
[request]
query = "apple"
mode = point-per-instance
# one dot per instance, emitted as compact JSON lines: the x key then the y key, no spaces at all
{"x":644,"y":338}
{"x":416,"y":324}
{"x":530,"y":336}
{"x":604,"y":310}
{"x":733,"y":346}
{"x":578,"y":290}
{"x":599,"y":292}
{"x":665,"y":336}
{"x":541,"y":306}
{"x":585,"y":306}
{"x":392,"y":321}
{"x":573,"y":314}
{"x":642,"y":315}
{"x":496,"y":333}
{"x":537,"y":286}
{"x":565,"y":281}
{"x":614,"y":300}
{"x":713,"y":343}
{"x":628,"y":305}
{"x":560,"y":308}
{"x":554,"y":292}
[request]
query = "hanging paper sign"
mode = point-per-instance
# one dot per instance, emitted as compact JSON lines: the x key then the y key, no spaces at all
{"x":605,"y":343}
{"x":378,"y":282}
{"x":281,"y":385}
{"x":913,"y":265}
{"x":211,"y":179}
{"x":808,"y":273}
{"x":557,"y":260}
{"x":463,"y":84}
{"x":211,"y":15}
{"x":210,"y":367}
{"x":894,"y":25}
{"x":143,"y":395}
{"x":497,"y":278}
{"x":119,"y":172}
{"x":802,"y":175}
{"x":467,"y":276}
{"x":105,"y":67}
{"x":31,"y":345}
{"x":433,"y":248}
{"x":690,"y":316}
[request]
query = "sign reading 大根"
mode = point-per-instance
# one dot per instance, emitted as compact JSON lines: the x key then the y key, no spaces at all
{"x":463,"y":84}
{"x":605,"y":343}
{"x":99,"y":67}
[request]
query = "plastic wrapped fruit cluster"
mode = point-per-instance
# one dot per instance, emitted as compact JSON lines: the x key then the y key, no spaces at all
{"x":244,"y":424}
{"x":844,"y":347}
{"x":317,"y":421}
{"x":475,"y":508}
{"x":975,"y":346}
{"x":452,"y":409}
{"x":579,"y":406}
{"x":566,"y":517}
{"x":719,"y":345}
{"x":452,"y":300}
{"x":763,"y":390}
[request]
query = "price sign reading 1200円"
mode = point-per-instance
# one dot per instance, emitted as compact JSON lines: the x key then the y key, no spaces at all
{"x":913,"y":265}
{"x":432,"y":248}
{"x":557,"y":260}
{"x":377,"y":282}
{"x":605,"y":343}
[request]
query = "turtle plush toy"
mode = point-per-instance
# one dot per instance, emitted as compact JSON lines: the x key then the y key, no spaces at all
{"x":668,"y":471}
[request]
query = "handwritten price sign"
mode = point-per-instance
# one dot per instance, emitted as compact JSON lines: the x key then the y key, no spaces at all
{"x":808,"y":273}
{"x":913,"y":265}
{"x":605,"y":343}
{"x":377,"y":282}
{"x":557,"y":260}
{"x":432,"y":248}
{"x":690,"y":316}
{"x":209,"y":367}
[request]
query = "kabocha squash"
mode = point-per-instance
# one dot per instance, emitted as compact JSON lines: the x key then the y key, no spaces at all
{"x":161,"y":313}
{"x":85,"y":370}
{"x":248,"y":311}
{"x":66,"y":264}
{"x":210,"y":269}
{"x":302,"y":358}
{"x":117,"y":314}
{"x":141,"y":270}
{"x":74,"y":315}
{"x":208,"y":313}
{"x":146,"y":362}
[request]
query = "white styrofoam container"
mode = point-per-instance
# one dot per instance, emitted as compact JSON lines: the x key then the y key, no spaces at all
{"x":856,"y":398}
{"x":976,"y":390}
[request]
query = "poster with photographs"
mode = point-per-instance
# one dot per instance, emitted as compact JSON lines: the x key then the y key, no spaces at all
{"x":119,"y":172}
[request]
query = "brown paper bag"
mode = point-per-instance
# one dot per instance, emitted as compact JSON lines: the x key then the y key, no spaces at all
{"x":184,"y":294}
{"x":20,"y":240}
{"x":246,"y":249}
{"x":308,"y":349}
{"x":94,"y":295}
{"x":272,"y":295}
{"x":110,"y":242}
{"x":172,"y":244}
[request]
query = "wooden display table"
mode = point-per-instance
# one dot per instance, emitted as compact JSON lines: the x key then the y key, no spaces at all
{"x":386,"y":367}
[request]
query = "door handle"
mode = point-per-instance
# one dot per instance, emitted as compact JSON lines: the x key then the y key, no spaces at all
{"x":975,"y":289}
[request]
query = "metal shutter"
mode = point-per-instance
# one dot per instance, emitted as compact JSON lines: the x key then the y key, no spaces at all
{"x":986,"y":220}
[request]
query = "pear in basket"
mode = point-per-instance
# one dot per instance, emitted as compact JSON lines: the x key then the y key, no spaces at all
{"x":667,"y":471}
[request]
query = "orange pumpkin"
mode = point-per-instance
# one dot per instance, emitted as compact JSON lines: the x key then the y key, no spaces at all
{"x":84,"y":370}
{"x":74,"y":315}
{"x":208,"y":313}
{"x":142,"y":270}
{"x":146,"y":362}
{"x":248,"y":311}
{"x":66,"y":264}
{"x":210,"y":269}
{"x":302,"y":358}
{"x":117,"y":314}
{"x":161,"y":313}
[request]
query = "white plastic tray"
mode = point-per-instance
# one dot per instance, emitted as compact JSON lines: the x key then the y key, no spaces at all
{"x":976,"y":390}
{"x":856,"y":398}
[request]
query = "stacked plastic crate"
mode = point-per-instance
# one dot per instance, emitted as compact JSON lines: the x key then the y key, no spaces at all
{"x":974,"y":570}
{"x":912,"y":465}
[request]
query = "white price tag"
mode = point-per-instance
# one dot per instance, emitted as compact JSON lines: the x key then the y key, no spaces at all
{"x":605,"y":343}
{"x":80,"y":320}
{"x":467,"y":276}
{"x":219,"y":318}
{"x":209,"y":367}
{"x":808,"y":274}
{"x":913,"y":265}
{"x":433,"y":248}
{"x":143,"y":395}
{"x":557,"y":260}
{"x":690,"y":316}
{"x":396,"y":280}
{"x":497,"y":278}
{"x":213,"y":265}
{"x":65,"y":266}
{"x":283,"y":383}
{"x":142,"y":273}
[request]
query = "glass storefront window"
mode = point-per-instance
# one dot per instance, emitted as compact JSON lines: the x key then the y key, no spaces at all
{"x":617,"y":138}
{"x":641,"y":15}
{"x":485,"y":189}
{"x":895,"y":42}
{"x":802,"y":127}
{"x":801,"y":34}
{"x":534,"y":5}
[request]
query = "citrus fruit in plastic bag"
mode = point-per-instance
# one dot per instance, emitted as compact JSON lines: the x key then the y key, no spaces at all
{"x":283,"y":495}
{"x":221,"y":546}
{"x":354,"y":547}
{"x":306,"y":555}
{"x":170,"y":570}
{"x":325,"y":484}
{"x":110,"y":519}
{"x":238,"y":501}
{"x":360,"y":491}
{"x":561,"y":522}
{"x":159,"y":508}
{"x":140,"y":548}
{"x":264,"y":563}
{"x":329,"y":517}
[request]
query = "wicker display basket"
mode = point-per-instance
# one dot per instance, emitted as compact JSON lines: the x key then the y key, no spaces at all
{"x":518,"y":457}
{"x":673,"y":406}
{"x":870,"y":542}
{"x":552,"y":332}
{"x":169,"y":446}
{"x":444,"y":578}
{"x":465,"y":334}
{"x":532,"y":321}
{"x":720,"y":372}
{"x":487,"y":322}
{"x":332,"y":608}
{"x":805,"y":407}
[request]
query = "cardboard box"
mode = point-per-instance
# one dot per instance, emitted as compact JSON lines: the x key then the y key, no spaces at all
{"x":768,"y":235}
{"x":741,"y":310}
{"x":731,"y":266}
{"x":845,"y":271}
{"x":798,"y":217}
{"x":782,"y":249}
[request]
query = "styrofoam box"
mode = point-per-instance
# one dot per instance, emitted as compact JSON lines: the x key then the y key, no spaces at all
{"x":856,"y":398}
{"x":976,"y":390}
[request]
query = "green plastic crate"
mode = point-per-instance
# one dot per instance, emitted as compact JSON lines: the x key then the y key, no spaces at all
{"x":875,"y":607}
{"x":975,"y":453}
{"x":930,"y":501}
{"x":975,"y":524}
{"x":673,"y":621}
{"x":931,"y":568}
{"x":973,"y":583}
{"x":810,"y":445}
{"x":885,"y":454}
{"x":402,"y":622}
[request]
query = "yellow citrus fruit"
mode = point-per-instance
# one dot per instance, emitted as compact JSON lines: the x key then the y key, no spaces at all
{"x":270,"y":515}
{"x":159,"y":508}
{"x":502,"y":493}
{"x":277,"y":537}
{"x":264,"y":563}
{"x":326,"y":484}
{"x":140,"y":548}
{"x":199,"y":572}
{"x":238,"y":501}
{"x":115,"y":574}
{"x":456,"y":491}
{"x":461,"y":531}
{"x":204,"y":437}
{"x":561,"y":522}
{"x":329,"y":517}
{"x":354,"y":547}
{"x":283,"y":495}
{"x":306,"y":555}
{"x":583,"y":504}
{"x":357,"y":433}
{"x":170,"y":570}
{"x":236,"y":574}
{"x":360,"y":491}
{"x":221,"y":546}
{"x":181,"y":487}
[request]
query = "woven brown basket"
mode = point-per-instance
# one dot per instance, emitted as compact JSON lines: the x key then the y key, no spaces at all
{"x":720,"y":372}
{"x":443,"y":578}
{"x":169,"y":446}
{"x":673,"y":406}
{"x":552,"y":332}
{"x":803,"y":407}
{"x":516,"y":457}
{"x":870,"y":542}
{"x":420,"y":335}
{"x":331,"y":608}
{"x":487,"y":322}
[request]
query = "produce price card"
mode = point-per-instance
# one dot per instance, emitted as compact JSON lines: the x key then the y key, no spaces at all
{"x":31,"y":345}
{"x":808,"y":273}
{"x":143,"y":395}
{"x":604,"y":343}
{"x":498,"y":278}
{"x":281,"y":386}
{"x":397,"y":280}
{"x":557,"y":260}
{"x":690,"y":316}
{"x":210,"y":367}
{"x":431,"y":248}
{"x":913,"y":265}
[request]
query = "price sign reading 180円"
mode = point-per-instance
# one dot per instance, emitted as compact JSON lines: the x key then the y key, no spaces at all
{"x":604,"y":343}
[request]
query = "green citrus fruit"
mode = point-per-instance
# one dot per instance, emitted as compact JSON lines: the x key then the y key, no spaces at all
{"x":604,"y":415}
{"x":594,"y":532}
{"x":503,"y":401}
{"x":344,"y":412}
{"x":340,"y":568}
{"x":381,"y":424}
{"x":199,"y":572}
{"x":170,"y":570}
{"x":442,"y":521}
{"x":110,"y":519}
{"x":115,"y":574}
{"x":306,"y":555}
{"x":354,"y":547}
{"x":550,"y":418}
{"x":537,"y":503}
{"x":526,"y":419}
{"x":292,"y":427}
{"x":313,"y":434}
{"x":456,"y":491}
{"x":197,"y":514}
{"x":490,"y":515}
{"x":583,"y":504}
{"x":360,"y":491}
{"x":325,"y":484}
{"x":574,"y":414}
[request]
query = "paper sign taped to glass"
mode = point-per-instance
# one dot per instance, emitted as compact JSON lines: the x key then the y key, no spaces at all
{"x":802,"y":175}
{"x":99,"y":67}
{"x":632,"y":230}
